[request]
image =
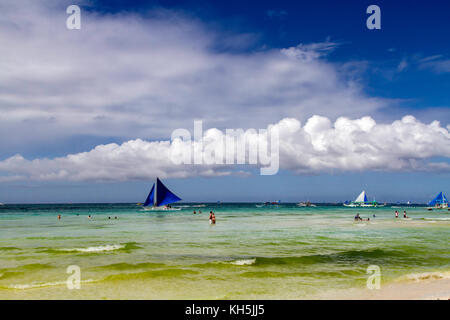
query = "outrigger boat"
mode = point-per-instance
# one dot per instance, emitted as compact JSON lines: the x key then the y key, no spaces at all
{"x":361,"y":201}
{"x":160,"y":198}
{"x":440,"y":202}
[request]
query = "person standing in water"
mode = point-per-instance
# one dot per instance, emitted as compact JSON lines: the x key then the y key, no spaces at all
{"x":404,"y":215}
{"x":59,"y":217}
{"x":213,"y":219}
{"x":396,"y":213}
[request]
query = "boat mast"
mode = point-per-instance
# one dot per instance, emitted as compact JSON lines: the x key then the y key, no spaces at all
{"x":156,"y":190}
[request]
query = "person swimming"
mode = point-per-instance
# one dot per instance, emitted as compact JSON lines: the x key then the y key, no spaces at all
{"x":357,"y":217}
{"x":195,"y":212}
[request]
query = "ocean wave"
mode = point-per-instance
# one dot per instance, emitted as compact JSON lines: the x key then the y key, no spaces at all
{"x":111,"y":247}
{"x":163,"y":273}
{"x":243,"y":262}
{"x":95,"y":249}
{"x":8,"y":248}
{"x":27,"y":268}
{"x":43,"y":284}
{"x":129,"y":266}
{"x":367,"y":256}
{"x":436,"y":219}
{"x":417,"y":277}
{"x":10,"y":274}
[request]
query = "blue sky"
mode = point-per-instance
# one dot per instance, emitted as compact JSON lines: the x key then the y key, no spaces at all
{"x":140,"y":70}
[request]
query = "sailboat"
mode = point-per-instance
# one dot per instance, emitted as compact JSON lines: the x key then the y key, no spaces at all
{"x":160,"y":198}
{"x":362,"y":201}
{"x":440,"y":202}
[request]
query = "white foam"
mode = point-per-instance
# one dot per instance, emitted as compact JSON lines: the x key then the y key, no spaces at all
{"x":95,"y":249}
{"x":244,"y":262}
{"x":427,"y":276}
{"x":43,"y":284}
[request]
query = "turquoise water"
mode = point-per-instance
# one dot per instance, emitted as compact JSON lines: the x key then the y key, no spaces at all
{"x":271,"y":252}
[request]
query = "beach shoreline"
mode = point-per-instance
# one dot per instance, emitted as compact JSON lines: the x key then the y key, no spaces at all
{"x":427,"y":286}
{"x":429,"y":289}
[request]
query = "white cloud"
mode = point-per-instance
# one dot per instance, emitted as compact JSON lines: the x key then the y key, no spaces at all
{"x":435,"y":64}
{"x":130,"y":76}
{"x":317,"y":146}
{"x":402,"y":65}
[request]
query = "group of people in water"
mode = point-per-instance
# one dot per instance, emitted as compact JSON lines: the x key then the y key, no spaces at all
{"x":358,"y":218}
{"x":404,"y":214}
{"x":212,"y":216}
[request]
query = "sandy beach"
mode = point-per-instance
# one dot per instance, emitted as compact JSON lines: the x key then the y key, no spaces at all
{"x":434,"y":287}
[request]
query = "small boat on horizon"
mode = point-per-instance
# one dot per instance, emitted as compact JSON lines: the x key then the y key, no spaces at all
{"x":268,"y":204}
{"x":306,"y":204}
{"x":160,"y":198}
{"x":362,"y":201}
{"x":439,"y":202}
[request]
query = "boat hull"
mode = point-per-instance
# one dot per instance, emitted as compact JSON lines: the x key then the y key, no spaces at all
{"x":161,"y":209}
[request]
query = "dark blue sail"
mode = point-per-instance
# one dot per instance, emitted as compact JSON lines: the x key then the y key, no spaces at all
{"x":163,"y":195}
{"x":440,"y":199}
{"x":150,"y":197}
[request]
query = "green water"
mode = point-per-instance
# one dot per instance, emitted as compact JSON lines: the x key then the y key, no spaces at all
{"x":269,"y":253}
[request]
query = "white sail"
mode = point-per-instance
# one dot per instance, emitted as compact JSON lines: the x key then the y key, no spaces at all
{"x":362,"y":197}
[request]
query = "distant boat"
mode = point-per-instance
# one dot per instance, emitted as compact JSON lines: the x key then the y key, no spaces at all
{"x":362,"y":201}
{"x":1,"y":204}
{"x":440,"y":202}
{"x":160,"y":198}
{"x":305,"y":204}
{"x":269,"y":204}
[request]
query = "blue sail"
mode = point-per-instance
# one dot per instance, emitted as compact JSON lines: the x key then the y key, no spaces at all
{"x":365,"y":197}
{"x":163,"y":195}
{"x":440,"y":199}
{"x":150,"y":197}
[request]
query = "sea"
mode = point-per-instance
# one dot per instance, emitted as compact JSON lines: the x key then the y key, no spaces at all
{"x":252,"y":252}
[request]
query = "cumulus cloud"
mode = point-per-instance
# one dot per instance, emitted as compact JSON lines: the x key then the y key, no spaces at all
{"x":317,"y":146}
{"x":141,"y":76}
